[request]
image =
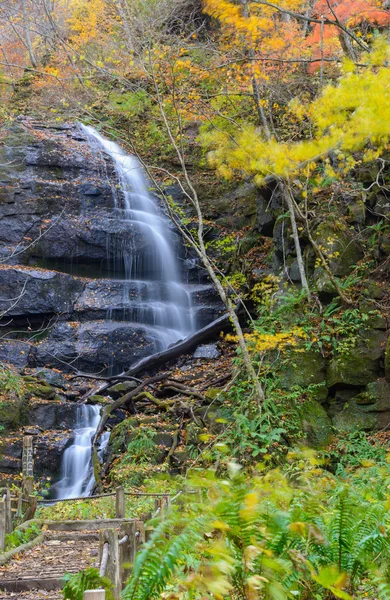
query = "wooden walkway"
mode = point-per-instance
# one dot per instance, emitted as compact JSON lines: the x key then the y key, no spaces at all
{"x":43,"y":567}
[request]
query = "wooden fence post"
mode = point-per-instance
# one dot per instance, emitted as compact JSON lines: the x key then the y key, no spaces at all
{"x":19,"y":510}
{"x":113,"y":564}
{"x":3,"y":524}
{"x":95,"y":595}
{"x":120,"y":503}
{"x":140,"y":534}
{"x":27,"y":457}
{"x":161,"y":505}
{"x":8,"y":512}
{"x":128,"y":550}
{"x":30,"y":512}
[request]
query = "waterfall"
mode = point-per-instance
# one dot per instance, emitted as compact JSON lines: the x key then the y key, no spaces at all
{"x":166,"y":311}
{"x":162,"y":306}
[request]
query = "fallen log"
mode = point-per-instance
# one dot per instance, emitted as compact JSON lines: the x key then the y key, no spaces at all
{"x":153,"y":361}
{"x":180,"y":348}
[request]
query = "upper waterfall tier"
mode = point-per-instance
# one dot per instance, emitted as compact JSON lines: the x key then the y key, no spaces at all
{"x":155,"y":257}
{"x":100,"y":274}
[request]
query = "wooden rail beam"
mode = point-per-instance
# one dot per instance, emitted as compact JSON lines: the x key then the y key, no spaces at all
{"x":94,"y":595}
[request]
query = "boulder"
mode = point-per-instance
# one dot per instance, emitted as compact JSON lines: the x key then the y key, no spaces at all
{"x":355,"y":417}
{"x":283,"y":242}
{"x":368,"y":411}
{"x":339,"y":246}
{"x":26,"y":291}
{"x":381,"y":206}
{"x":39,"y":390}
{"x":52,"y":415}
{"x":269,"y":207}
{"x":387,"y":360}
{"x":208,"y":351}
{"x":51,"y":377}
{"x":14,"y":352}
{"x":95,"y":346}
{"x":315,"y":424}
{"x":48,"y":450}
{"x":12,"y":409}
{"x":236,"y":209}
{"x":361,"y":365}
{"x":304,"y":369}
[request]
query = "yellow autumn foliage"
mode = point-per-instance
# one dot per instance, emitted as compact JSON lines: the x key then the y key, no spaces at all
{"x":259,"y":342}
{"x":345,"y":118}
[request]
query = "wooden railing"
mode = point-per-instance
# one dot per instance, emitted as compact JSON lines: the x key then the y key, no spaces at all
{"x":12,"y":512}
{"x":117,"y":555}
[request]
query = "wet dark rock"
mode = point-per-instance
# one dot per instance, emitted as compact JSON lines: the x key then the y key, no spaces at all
{"x":283,"y":242}
{"x":48,"y":451}
{"x":207,"y":351}
{"x":269,"y":207}
{"x":51,"y":377}
{"x":61,"y":222}
{"x":14,"y":352}
{"x":52,"y":415}
{"x":26,"y":291}
{"x":94,"y":346}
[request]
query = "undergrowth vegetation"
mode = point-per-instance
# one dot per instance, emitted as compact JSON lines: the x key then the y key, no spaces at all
{"x":291,"y":532}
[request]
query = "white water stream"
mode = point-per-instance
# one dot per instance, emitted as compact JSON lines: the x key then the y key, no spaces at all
{"x":165,"y":313}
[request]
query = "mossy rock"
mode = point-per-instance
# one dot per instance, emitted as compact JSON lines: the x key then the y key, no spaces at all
{"x":373,"y":290}
{"x":315,"y":424}
{"x":97,"y":399}
{"x":121,"y":434}
{"x":340,"y":246}
{"x":323,"y":283}
{"x":361,"y":365}
{"x":120,"y":389}
{"x":11,"y":411}
{"x":180,"y":457}
{"x":375,"y":319}
{"x":378,"y":395}
{"x":367,"y":411}
{"x":46,"y":392}
{"x":355,"y":417}
{"x":304,"y":369}
{"x":356,"y":213}
{"x":387,"y":360}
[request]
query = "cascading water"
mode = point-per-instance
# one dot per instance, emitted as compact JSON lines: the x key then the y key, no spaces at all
{"x":76,"y":470}
{"x":162,"y":305}
{"x":165,"y":310}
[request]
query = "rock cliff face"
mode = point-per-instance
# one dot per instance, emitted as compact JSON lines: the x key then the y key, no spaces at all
{"x":62,"y":246}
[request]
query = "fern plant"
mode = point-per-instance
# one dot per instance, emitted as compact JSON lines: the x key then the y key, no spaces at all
{"x":297,"y":533}
{"x":89,"y":579}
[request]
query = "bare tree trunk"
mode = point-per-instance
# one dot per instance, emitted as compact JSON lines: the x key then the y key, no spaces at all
{"x":255,"y":84}
{"x":28,"y":36}
{"x":122,"y":10}
{"x":286,"y":192}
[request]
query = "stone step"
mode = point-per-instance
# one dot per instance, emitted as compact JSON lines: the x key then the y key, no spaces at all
{"x":34,"y":583}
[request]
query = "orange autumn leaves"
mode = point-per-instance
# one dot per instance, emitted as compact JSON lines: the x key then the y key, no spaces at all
{"x":271,"y":33}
